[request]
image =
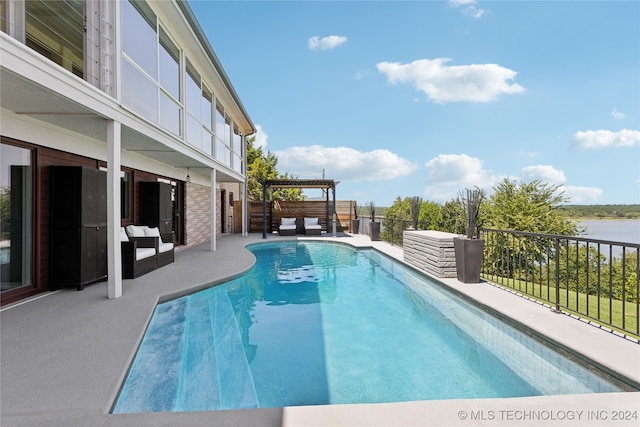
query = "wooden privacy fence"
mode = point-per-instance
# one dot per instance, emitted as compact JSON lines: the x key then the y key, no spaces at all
{"x":306,"y":208}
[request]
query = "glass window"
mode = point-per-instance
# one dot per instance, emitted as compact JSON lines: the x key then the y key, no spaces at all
{"x":139,"y":92}
{"x":16,"y":200}
{"x":139,"y":38}
{"x":55,"y":29}
{"x":207,"y":108}
{"x":3,"y":17}
{"x":219,"y":125}
{"x":227,"y":131}
{"x":125,"y":194}
{"x":193,"y":92}
{"x":169,"y":66}
{"x":150,"y":68}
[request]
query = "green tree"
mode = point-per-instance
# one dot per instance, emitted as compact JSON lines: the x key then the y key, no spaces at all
{"x":451,"y":218}
{"x":398,"y":218}
{"x":531,"y":207}
{"x":5,"y":213}
{"x":261,"y":167}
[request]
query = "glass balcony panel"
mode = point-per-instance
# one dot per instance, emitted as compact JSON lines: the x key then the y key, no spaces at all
{"x":138,"y":92}
{"x":170,"y":114}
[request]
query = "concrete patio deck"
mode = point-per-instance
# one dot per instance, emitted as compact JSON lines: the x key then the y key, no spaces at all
{"x":65,"y":354}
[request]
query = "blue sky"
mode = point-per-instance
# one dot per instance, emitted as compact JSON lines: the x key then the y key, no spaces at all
{"x":426,"y":98}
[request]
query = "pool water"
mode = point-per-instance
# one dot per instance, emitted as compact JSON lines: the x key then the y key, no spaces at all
{"x":323,"y":323}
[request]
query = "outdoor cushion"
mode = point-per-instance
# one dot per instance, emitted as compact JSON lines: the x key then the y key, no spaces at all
{"x":151,"y":232}
{"x":123,"y":235}
{"x":311,"y":223}
{"x":154,"y":232}
{"x":135,"y":230}
{"x":287,"y":224}
{"x":288,"y":221}
{"x":165,"y":247}
{"x":142,"y":253}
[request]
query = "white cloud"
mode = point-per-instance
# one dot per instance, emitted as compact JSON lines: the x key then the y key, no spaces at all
{"x":523,"y":153}
{"x":606,"y":138}
{"x":326,"y":43}
{"x":617,"y":114}
{"x":261,"y":137}
{"x":344,"y":163}
{"x":456,"y":3}
{"x":544,"y":173}
{"x":458,"y":83}
{"x":451,"y":173}
{"x":469,"y":7}
{"x":581,"y":195}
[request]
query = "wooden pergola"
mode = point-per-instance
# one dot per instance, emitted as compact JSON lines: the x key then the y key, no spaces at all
{"x":325,"y":184}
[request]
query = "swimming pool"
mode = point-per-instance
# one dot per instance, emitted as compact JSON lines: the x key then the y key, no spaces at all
{"x":323,"y":323}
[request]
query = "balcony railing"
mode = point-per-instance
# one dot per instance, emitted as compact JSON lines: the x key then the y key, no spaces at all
{"x":593,"y":279}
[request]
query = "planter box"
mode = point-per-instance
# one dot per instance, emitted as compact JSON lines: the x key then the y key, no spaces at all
{"x":430,"y":251}
{"x":374,"y":231}
{"x":355,"y":226}
{"x":469,"y":254}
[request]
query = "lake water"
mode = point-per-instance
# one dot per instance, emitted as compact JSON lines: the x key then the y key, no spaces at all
{"x":626,"y":231}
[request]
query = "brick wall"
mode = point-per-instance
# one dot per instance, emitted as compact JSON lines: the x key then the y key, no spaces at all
{"x":198,"y":211}
{"x":198,"y":214}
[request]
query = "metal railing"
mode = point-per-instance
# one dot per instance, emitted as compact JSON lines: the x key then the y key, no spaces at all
{"x":595,"y":279}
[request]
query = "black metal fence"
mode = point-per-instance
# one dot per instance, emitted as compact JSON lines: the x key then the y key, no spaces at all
{"x":595,"y":279}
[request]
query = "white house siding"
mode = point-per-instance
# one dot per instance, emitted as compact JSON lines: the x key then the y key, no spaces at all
{"x":46,"y":105}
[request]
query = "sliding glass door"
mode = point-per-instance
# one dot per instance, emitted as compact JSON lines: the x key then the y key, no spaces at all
{"x":16,"y":216}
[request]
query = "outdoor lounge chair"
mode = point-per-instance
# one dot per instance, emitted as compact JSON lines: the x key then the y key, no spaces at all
{"x":139,"y":255}
{"x":287,"y":227}
{"x":312,"y":227}
{"x":165,"y":245}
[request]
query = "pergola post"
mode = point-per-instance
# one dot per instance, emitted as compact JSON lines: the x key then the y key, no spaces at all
{"x":326,"y":205}
{"x":334,"y":222}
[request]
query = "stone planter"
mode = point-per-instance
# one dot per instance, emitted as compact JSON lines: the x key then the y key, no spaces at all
{"x":430,"y":251}
{"x":374,"y":231}
{"x":355,"y":226}
{"x":469,"y":254}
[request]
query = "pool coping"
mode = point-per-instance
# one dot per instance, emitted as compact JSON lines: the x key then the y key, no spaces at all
{"x":67,"y":369}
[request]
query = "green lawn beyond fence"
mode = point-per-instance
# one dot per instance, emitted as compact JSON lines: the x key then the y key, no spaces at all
{"x":603,"y":311}
{"x":594,"y":279}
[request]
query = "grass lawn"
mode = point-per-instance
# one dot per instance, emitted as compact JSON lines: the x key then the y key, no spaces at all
{"x":603,"y":311}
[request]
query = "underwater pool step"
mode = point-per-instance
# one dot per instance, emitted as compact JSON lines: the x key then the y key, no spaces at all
{"x":198,"y":381}
{"x":237,"y":388}
{"x":151,"y":385}
{"x":213,"y":345}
